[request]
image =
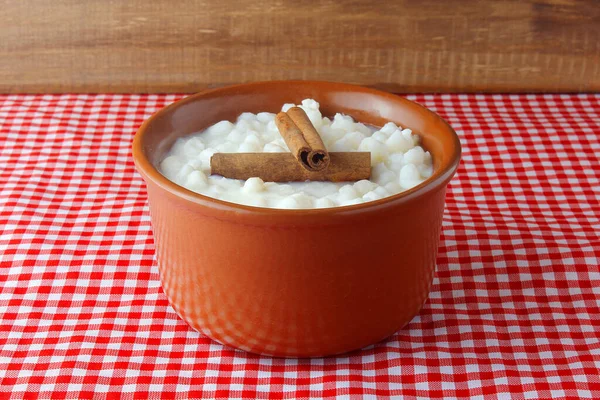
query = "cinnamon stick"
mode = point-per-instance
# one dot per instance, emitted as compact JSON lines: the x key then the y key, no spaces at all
{"x":284,"y":167}
{"x":302,"y":139}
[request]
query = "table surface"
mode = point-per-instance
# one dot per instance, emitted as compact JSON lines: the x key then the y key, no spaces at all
{"x":514,"y":309}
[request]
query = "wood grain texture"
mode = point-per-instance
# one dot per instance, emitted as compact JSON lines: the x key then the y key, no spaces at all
{"x":402,"y":46}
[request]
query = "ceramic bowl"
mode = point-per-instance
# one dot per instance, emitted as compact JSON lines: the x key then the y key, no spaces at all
{"x":295,"y":283}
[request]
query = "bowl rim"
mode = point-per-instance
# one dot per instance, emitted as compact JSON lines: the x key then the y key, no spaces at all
{"x":149,"y":172}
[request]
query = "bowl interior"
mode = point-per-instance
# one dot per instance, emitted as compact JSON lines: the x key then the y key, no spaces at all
{"x":198,"y":112}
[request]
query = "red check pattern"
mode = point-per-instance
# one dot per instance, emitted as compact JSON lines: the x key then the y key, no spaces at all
{"x":514,"y":311}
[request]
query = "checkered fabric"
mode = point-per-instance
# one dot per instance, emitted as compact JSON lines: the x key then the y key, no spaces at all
{"x":514,"y":311}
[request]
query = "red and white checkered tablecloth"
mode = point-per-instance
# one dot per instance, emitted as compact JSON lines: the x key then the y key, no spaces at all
{"x":514,"y":311}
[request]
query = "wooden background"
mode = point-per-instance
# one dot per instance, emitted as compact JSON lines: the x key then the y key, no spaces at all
{"x":401,"y":46}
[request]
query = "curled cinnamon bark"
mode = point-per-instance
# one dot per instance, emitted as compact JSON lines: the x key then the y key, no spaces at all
{"x":302,"y":139}
{"x":283,"y":167}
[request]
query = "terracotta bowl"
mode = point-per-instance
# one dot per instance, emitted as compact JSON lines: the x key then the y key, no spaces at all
{"x":295,"y":282}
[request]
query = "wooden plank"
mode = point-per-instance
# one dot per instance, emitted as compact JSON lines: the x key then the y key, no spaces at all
{"x":402,"y":46}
